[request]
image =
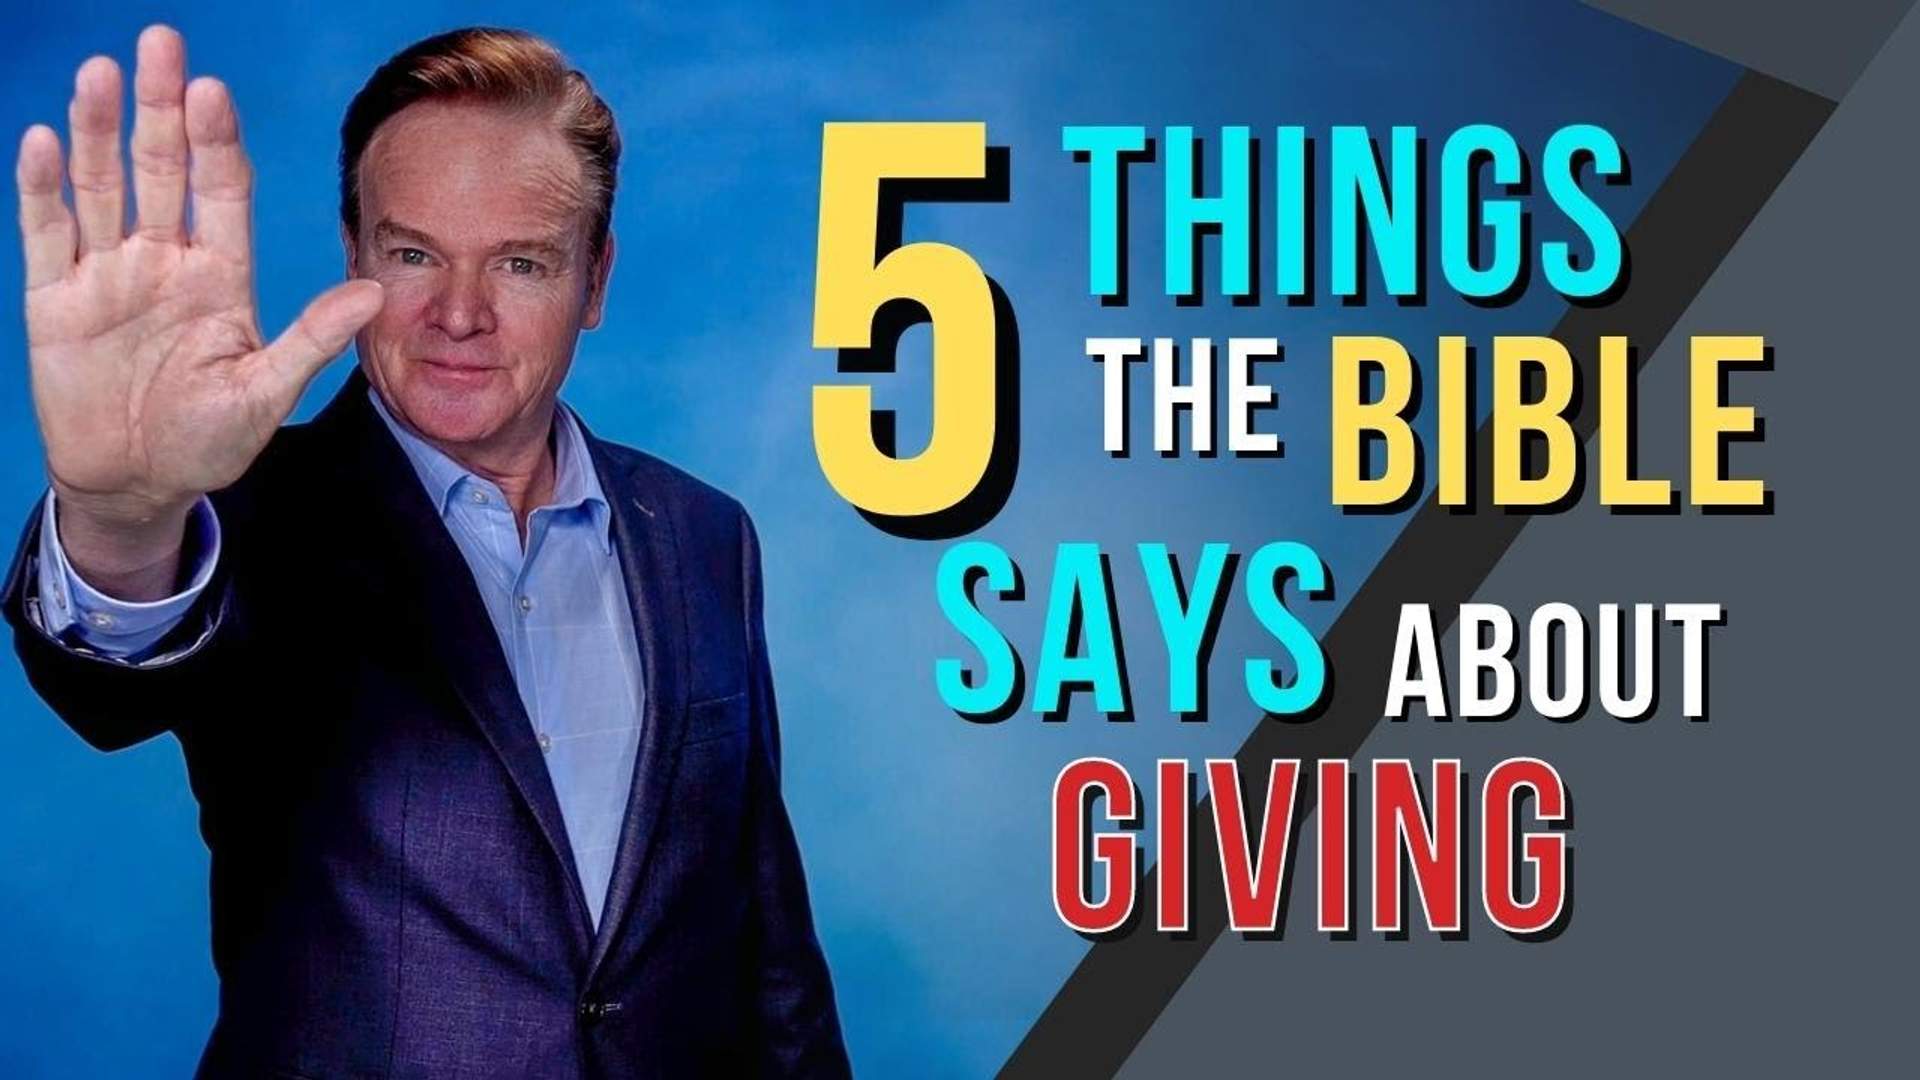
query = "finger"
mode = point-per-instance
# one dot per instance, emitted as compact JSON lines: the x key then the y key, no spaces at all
{"x":99,"y":183}
{"x":316,"y":337}
{"x":221,"y":177}
{"x":46,"y":229}
{"x":160,"y":133}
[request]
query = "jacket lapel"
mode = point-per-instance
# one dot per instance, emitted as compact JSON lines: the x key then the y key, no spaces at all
{"x":408,"y":544}
{"x":645,"y":539}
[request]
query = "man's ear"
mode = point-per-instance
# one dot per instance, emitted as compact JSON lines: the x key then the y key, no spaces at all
{"x":597,"y":288}
{"x":353,"y":252}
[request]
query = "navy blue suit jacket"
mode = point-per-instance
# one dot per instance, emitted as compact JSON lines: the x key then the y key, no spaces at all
{"x":392,"y":890}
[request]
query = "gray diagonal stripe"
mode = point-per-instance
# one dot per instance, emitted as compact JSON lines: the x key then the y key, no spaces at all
{"x":1820,"y":47}
{"x":1687,"y":227}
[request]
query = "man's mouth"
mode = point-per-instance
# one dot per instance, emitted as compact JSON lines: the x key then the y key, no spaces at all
{"x":459,"y":372}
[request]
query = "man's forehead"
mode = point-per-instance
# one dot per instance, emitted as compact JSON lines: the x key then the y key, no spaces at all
{"x":452,"y":166}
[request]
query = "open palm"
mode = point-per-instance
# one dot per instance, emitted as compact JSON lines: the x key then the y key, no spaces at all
{"x":151,"y":379}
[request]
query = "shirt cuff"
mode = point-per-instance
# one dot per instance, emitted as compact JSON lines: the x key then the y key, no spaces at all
{"x":120,"y":629}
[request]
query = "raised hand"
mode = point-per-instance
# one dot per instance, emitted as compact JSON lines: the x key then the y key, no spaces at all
{"x":151,"y":379}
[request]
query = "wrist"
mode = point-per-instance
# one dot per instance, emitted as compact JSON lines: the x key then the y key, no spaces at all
{"x":126,"y":547}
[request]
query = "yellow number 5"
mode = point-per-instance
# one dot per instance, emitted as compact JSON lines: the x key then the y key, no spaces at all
{"x":849,"y":289}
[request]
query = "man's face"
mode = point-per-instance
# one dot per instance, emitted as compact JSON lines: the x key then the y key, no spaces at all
{"x":471,"y":220}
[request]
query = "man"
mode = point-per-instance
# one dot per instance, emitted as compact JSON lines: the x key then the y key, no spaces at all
{"x":476,"y":705}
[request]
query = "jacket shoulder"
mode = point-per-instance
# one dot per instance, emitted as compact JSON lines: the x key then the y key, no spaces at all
{"x":655,"y":486}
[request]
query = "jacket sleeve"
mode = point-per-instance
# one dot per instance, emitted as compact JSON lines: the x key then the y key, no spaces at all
{"x":800,"y":1028}
{"x":108,"y":700}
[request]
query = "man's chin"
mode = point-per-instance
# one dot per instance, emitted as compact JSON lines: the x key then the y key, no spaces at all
{"x":450,"y":416}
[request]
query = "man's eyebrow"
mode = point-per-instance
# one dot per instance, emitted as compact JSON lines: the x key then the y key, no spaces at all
{"x":551,"y":248}
{"x":388,"y":229}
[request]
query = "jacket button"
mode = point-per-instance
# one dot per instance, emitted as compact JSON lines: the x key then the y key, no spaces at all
{"x":593,"y":1011}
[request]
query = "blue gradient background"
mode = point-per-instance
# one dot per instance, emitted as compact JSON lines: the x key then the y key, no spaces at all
{"x":925,"y":836}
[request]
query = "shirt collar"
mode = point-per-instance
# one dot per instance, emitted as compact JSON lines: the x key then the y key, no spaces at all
{"x":575,"y":481}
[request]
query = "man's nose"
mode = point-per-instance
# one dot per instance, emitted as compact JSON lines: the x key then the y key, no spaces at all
{"x":463,"y":306}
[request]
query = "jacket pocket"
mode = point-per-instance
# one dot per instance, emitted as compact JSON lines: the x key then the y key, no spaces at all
{"x":716,"y":718}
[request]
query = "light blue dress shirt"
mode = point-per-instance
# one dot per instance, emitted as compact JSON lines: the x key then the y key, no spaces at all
{"x":558,"y":605}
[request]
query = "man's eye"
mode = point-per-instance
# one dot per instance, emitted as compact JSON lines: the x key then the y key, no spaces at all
{"x":520,"y":265}
{"x":412,"y":256}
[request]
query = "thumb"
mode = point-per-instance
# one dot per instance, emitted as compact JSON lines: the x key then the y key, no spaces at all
{"x":317,"y":336}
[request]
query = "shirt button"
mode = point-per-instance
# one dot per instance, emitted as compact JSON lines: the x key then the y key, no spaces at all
{"x":479,"y":496}
{"x":526,"y":604}
{"x":101,"y":619}
{"x":546,"y":743}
